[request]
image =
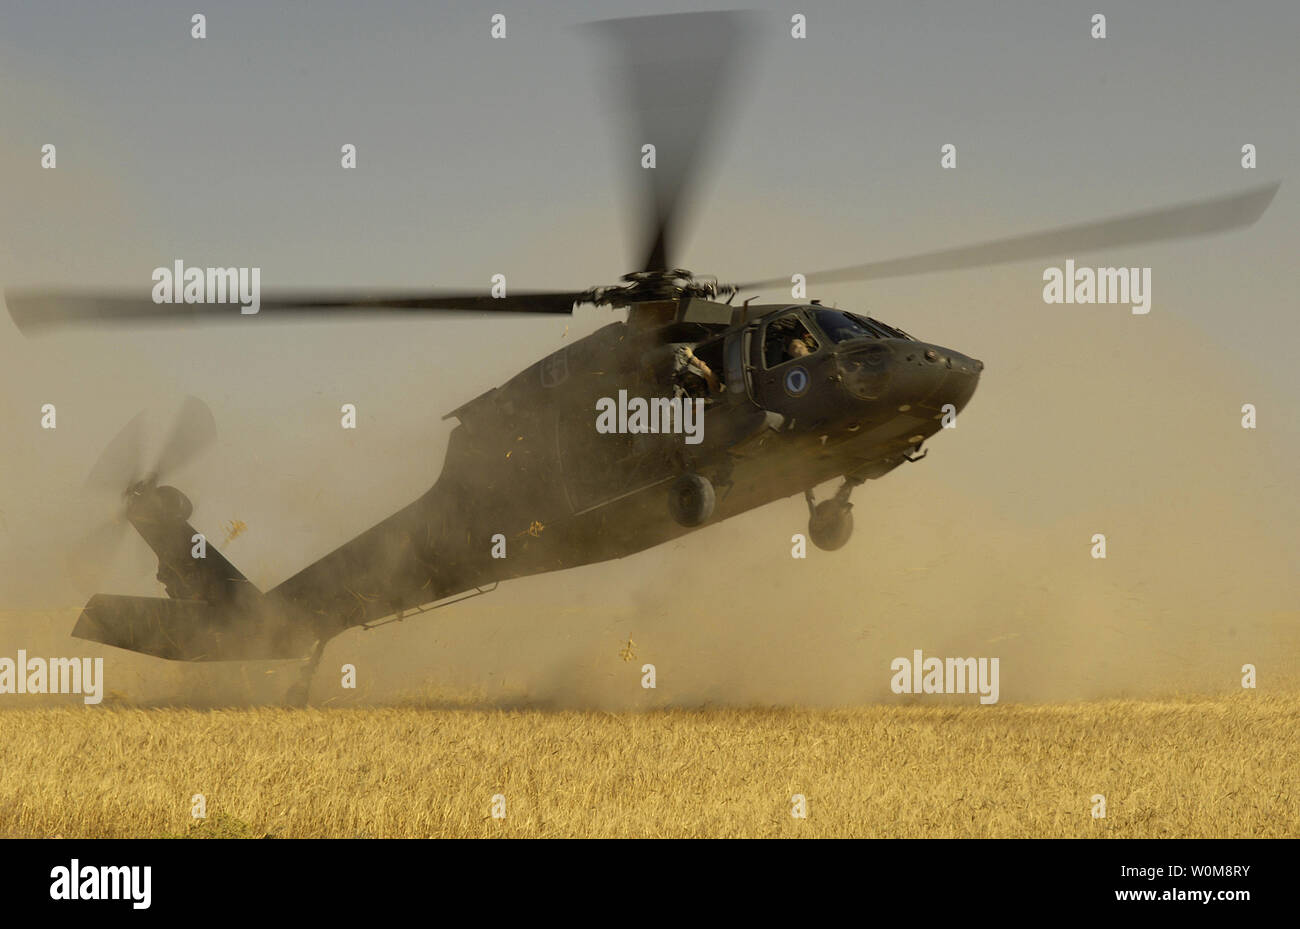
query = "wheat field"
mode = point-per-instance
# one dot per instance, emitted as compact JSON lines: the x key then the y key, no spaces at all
{"x":1179,"y":767}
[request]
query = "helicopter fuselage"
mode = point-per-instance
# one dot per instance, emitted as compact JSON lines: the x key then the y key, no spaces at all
{"x":531,"y":485}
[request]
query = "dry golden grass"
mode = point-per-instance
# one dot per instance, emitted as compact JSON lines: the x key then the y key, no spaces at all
{"x":1194,"y":767}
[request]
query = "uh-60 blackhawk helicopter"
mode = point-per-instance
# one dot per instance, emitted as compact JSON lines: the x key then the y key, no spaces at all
{"x":527,"y":463}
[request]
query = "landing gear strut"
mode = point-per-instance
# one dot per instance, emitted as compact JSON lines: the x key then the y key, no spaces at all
{"x":297,"y":695}
{"x":830,"y":523}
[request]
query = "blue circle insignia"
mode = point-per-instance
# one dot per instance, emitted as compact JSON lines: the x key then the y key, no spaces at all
{"x":796,"y":381}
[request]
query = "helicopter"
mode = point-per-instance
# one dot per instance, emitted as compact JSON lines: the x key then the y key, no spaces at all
{"x":797,"y":394}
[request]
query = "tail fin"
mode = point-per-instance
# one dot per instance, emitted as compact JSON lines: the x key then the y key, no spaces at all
{"x":193,"y":630}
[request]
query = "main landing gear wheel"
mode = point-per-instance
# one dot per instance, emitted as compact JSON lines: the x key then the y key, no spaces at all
{"x":830,"y":523}
{"x":691,"y":499}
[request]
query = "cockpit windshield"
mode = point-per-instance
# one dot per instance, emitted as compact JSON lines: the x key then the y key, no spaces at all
{"x":840,"y":326}
{"x":891,"y":332}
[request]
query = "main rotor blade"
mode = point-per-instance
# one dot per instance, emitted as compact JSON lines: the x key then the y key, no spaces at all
{"x":194,"y":430}
{"x":676,"y":71}
{"x":529,"y":301}
{"x":1186,"y":221}
{"x":33,"y":311}
{"x":121,"y":463}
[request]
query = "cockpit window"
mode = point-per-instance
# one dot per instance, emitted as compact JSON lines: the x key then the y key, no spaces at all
{"x":891,"y":332}
{"x":787,"y":338}
{"x":840,"y":326}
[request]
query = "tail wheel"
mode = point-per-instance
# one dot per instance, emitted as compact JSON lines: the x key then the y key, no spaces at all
{"x":691,"y":499}
{"x":830,"y":525}
{"x":297,"y":695}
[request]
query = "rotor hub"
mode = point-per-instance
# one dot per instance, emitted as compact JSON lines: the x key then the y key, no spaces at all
{"x":653,"y":286}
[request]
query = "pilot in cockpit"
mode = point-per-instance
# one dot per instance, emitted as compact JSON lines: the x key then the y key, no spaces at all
{"x":799,"y":347}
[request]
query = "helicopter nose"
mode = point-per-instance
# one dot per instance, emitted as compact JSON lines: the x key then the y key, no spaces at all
{"x":956,"y":376}
{"x":912,"y":375}
{"x":933,"y":377}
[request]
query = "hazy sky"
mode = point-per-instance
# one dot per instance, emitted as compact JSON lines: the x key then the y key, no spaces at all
{"x":478,"y":156}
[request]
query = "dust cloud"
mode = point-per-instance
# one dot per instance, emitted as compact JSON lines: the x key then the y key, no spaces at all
{"x":1087,"y":420}
{"x":1082,"y":425}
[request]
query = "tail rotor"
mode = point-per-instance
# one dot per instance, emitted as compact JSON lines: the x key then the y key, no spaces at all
{"x":122,"y":475}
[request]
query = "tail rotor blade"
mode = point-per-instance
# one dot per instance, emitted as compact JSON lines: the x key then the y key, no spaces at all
{"x":194,"y":430}
{"x":91,"y":558}
{"x":120,"y":464}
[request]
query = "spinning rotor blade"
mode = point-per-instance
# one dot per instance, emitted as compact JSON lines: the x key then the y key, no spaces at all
{"x":33,"y":311}
{"x":105,"y":537}
{"x":676,"y":71}
{"x":119,"y":467}
{"x":534,"y":301}
{"x":92,"y":558}
{"x":1186,"y":221}
{"x":121,"y":464}
{"x":193,"y":431}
